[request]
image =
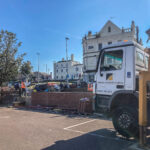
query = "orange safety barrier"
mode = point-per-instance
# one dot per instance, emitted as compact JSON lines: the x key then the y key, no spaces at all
{"x":51,"y":84}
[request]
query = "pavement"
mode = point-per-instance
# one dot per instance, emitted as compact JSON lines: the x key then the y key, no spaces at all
{"x":24,"y":129}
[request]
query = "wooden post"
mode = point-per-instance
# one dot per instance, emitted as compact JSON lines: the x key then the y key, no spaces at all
{"x":142,"y":98}
{"x":144,"y":77}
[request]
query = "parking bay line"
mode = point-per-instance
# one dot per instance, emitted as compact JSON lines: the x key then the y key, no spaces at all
{"x":93,"y":134}
{"x":79,"y":124}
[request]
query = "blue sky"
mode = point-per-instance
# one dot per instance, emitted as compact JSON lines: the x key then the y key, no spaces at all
{"x":42,"y":25}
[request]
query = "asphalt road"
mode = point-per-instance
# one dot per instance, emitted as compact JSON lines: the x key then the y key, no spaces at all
{"x":31,"y":130}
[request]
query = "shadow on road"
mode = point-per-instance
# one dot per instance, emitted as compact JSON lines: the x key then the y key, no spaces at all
{"x":148,"y":139}
{"x":103,"y":139}
{"x":67,"y":113}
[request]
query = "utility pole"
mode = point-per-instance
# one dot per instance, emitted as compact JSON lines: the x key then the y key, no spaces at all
{"x":67,"y":58}
{"x":67,"y":48}
{"x":38,"y":54}
{"x":46,"y":68}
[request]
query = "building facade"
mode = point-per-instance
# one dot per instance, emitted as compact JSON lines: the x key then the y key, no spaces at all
{"x":41,"y":76}
{"x":70,"y":69}
{"x":93,"y":43}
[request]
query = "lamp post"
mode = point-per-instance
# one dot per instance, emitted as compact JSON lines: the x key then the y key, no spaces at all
{"x":45,"y":66}
{"x":67,"y":48}
{"x":67,"y":58}
{"x":38,"y":54}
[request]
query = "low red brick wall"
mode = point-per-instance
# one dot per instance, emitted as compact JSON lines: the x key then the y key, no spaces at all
{"x":66,"y":100}
{"x":7,"y":97}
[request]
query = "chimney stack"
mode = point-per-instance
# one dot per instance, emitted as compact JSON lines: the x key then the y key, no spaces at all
{"x":89,"y":33}
{"x":137,"y":34}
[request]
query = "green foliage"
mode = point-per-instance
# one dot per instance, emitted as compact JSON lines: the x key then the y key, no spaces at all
{"x":26,"y":68}
{"x":9,"y":60}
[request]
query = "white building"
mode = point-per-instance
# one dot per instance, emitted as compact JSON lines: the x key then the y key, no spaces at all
{"x":93,"y":43}
{"x":70,"y":68}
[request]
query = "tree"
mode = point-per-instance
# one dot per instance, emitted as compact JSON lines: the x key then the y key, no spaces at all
{"x":10,"y":61}
{"x":26,"y":68}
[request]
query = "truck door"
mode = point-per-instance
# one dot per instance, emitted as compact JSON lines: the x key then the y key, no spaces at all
{"x":110,"y":77}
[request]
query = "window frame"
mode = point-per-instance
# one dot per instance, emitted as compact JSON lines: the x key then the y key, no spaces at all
{"x":100,"y":45}
{"x":109,"y":43}
{"x":103,"y":60}
{"x":109,"y":29}
{"x":140,"y":63}
{"x":90,"y":47}
{"x":146,"y":59}
{"x":76,"y":69}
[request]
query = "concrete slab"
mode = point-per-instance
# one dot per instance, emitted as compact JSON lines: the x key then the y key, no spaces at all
{"x":36,"y":130}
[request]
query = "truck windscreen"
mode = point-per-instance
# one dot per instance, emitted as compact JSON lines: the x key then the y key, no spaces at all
{"x":112,"y":60}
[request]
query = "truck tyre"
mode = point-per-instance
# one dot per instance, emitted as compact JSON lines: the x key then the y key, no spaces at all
{"x":125,"y":121}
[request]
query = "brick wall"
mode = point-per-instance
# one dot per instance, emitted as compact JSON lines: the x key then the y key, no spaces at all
{"x":66,"y":100}
{"x":7,"y":97}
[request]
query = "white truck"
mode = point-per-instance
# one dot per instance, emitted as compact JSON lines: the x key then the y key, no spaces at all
{"x":116,"y":84}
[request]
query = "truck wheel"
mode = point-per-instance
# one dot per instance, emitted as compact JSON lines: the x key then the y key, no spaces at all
{"x":125,"y":121}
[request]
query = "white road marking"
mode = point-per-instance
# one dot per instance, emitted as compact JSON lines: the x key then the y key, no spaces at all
{"x":75,"y":131}
{"x":79,"y":124}
{"x":93,"y":134}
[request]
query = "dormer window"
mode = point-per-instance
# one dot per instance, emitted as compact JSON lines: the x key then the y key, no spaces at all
{"x":109,"y":29}
{"x":90,"y":47}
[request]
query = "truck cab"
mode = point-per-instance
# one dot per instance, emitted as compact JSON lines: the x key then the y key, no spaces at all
{"x":116,"y":86}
